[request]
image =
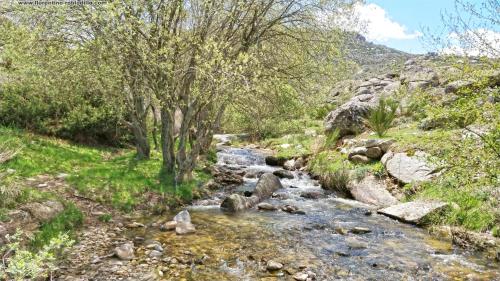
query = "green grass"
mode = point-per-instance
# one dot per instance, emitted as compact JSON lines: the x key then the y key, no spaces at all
{"x":291,"y":145}
{"x":468,"y":209}
{"x":65,"y":222}
{"x":109,"y":176}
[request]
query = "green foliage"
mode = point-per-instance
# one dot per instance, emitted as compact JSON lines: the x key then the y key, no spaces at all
{"x":65,"y":222}
{"x":380,"y":118}
{"x":292,"y":145}
{"x":333,"y":170}
{"x":105,"y":217}
{"x":22,"y":264}
{"x":331,"y":139}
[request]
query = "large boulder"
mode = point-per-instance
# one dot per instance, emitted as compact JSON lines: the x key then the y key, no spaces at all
{"x":407,"y":169}
{"x":413,"y":212}
{"x":349,"y":118}
{"x":372,"y":191}
{"x":265,"y":187}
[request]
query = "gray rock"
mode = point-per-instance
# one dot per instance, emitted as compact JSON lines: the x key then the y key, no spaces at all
{"x":182,"y":217}
{"x":289,"y":165}
{"x":374,"y":152}
{"x":273,"y":265}
{"x":407,"y":169}
{"x":170,"y":225}
{"x":372,"y":191}
{"x":283,"y":174}
{"x":359,"y":159}
{"x":384,"y":145}
{"x":413,"y":212}
{"x":353,"y":203}
{"x":265,"y":187}
{"x":349,"y":118}
{"x":43,"y":211}
{"x":300,"y":276}
{"x":360,"y":230}
{"x":155,"y":254}
{"x":458,"y":85}
{"x":312,"y":194}
{"x":184,"y":228}
{"x":357,"y":151}
{"x":419,"y":77}
{"x":266,"y":207}
{"x":299,"y":163}
{"x":125,"y":251}
{"x":275,"y":161}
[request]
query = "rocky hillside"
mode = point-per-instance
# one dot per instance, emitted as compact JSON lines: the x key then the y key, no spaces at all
{"x":373,"y":59}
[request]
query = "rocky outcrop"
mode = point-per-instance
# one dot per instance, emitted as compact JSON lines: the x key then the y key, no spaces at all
{"x":417,"y":76}
{"x":349,"y":118}
{"x":364,"y":151}
{"x":266,"y":185}
{"x":407,"y":169}
{"x":372,"y":191}
{"x":413,"y":212}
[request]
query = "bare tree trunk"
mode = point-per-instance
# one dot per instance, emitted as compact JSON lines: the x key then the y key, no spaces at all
{"x":167,"y":139}
{"x":139,"y":129}
{"x":156,"y":116}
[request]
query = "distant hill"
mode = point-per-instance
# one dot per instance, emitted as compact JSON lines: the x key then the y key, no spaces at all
{"x":373,"y":59}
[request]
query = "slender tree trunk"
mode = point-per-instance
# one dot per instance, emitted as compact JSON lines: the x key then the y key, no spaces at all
{"x":167,"y":139}
{"x":155,"y":126}
{"x":141,"y":140}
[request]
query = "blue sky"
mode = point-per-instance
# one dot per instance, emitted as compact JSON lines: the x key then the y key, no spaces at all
{"x":400,"y":23}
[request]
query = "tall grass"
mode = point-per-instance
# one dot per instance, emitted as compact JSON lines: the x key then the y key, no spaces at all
{"x":382,"y":116}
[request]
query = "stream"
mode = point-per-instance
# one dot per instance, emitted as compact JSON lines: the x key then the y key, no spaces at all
{"x":237,"y":246}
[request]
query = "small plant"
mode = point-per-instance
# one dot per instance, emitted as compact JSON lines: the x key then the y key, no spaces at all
{"x":105,"y":217}
{"x":65,"y":222}
{"x":20,"y":264}
{"x":378,"y":170}
{"x":331,"y":139}
{"x":336,"y":180}
{"x":381,"y":117}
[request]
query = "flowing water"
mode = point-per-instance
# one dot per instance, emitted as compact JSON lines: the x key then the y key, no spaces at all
{"x":236,"y":246}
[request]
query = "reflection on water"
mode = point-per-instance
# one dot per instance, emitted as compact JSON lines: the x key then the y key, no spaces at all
{"x":236,"y":246}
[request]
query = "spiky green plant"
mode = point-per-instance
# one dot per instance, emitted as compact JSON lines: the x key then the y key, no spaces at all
{"x":381,"y":117}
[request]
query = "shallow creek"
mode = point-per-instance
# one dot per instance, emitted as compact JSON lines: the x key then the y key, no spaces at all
{"x":236,"y":246}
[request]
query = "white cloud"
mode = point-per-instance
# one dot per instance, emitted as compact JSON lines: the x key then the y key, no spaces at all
{"x":478,"y":42}
{"x":373,"y":22}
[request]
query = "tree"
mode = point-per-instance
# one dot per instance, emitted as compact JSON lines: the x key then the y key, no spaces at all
{"x":471,"y":29}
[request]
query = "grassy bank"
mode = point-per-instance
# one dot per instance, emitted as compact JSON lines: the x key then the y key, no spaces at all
{"x":467,"y":180}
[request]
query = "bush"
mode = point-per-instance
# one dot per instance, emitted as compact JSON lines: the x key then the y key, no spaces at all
{"x":21,"y":264}
{"x":380,"y":118}
{"x":337,"y":180}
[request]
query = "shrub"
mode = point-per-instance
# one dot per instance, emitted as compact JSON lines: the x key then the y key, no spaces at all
{"x":381,"y":117}
{"x":21,"y":264}
{"x":337,"y":180}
